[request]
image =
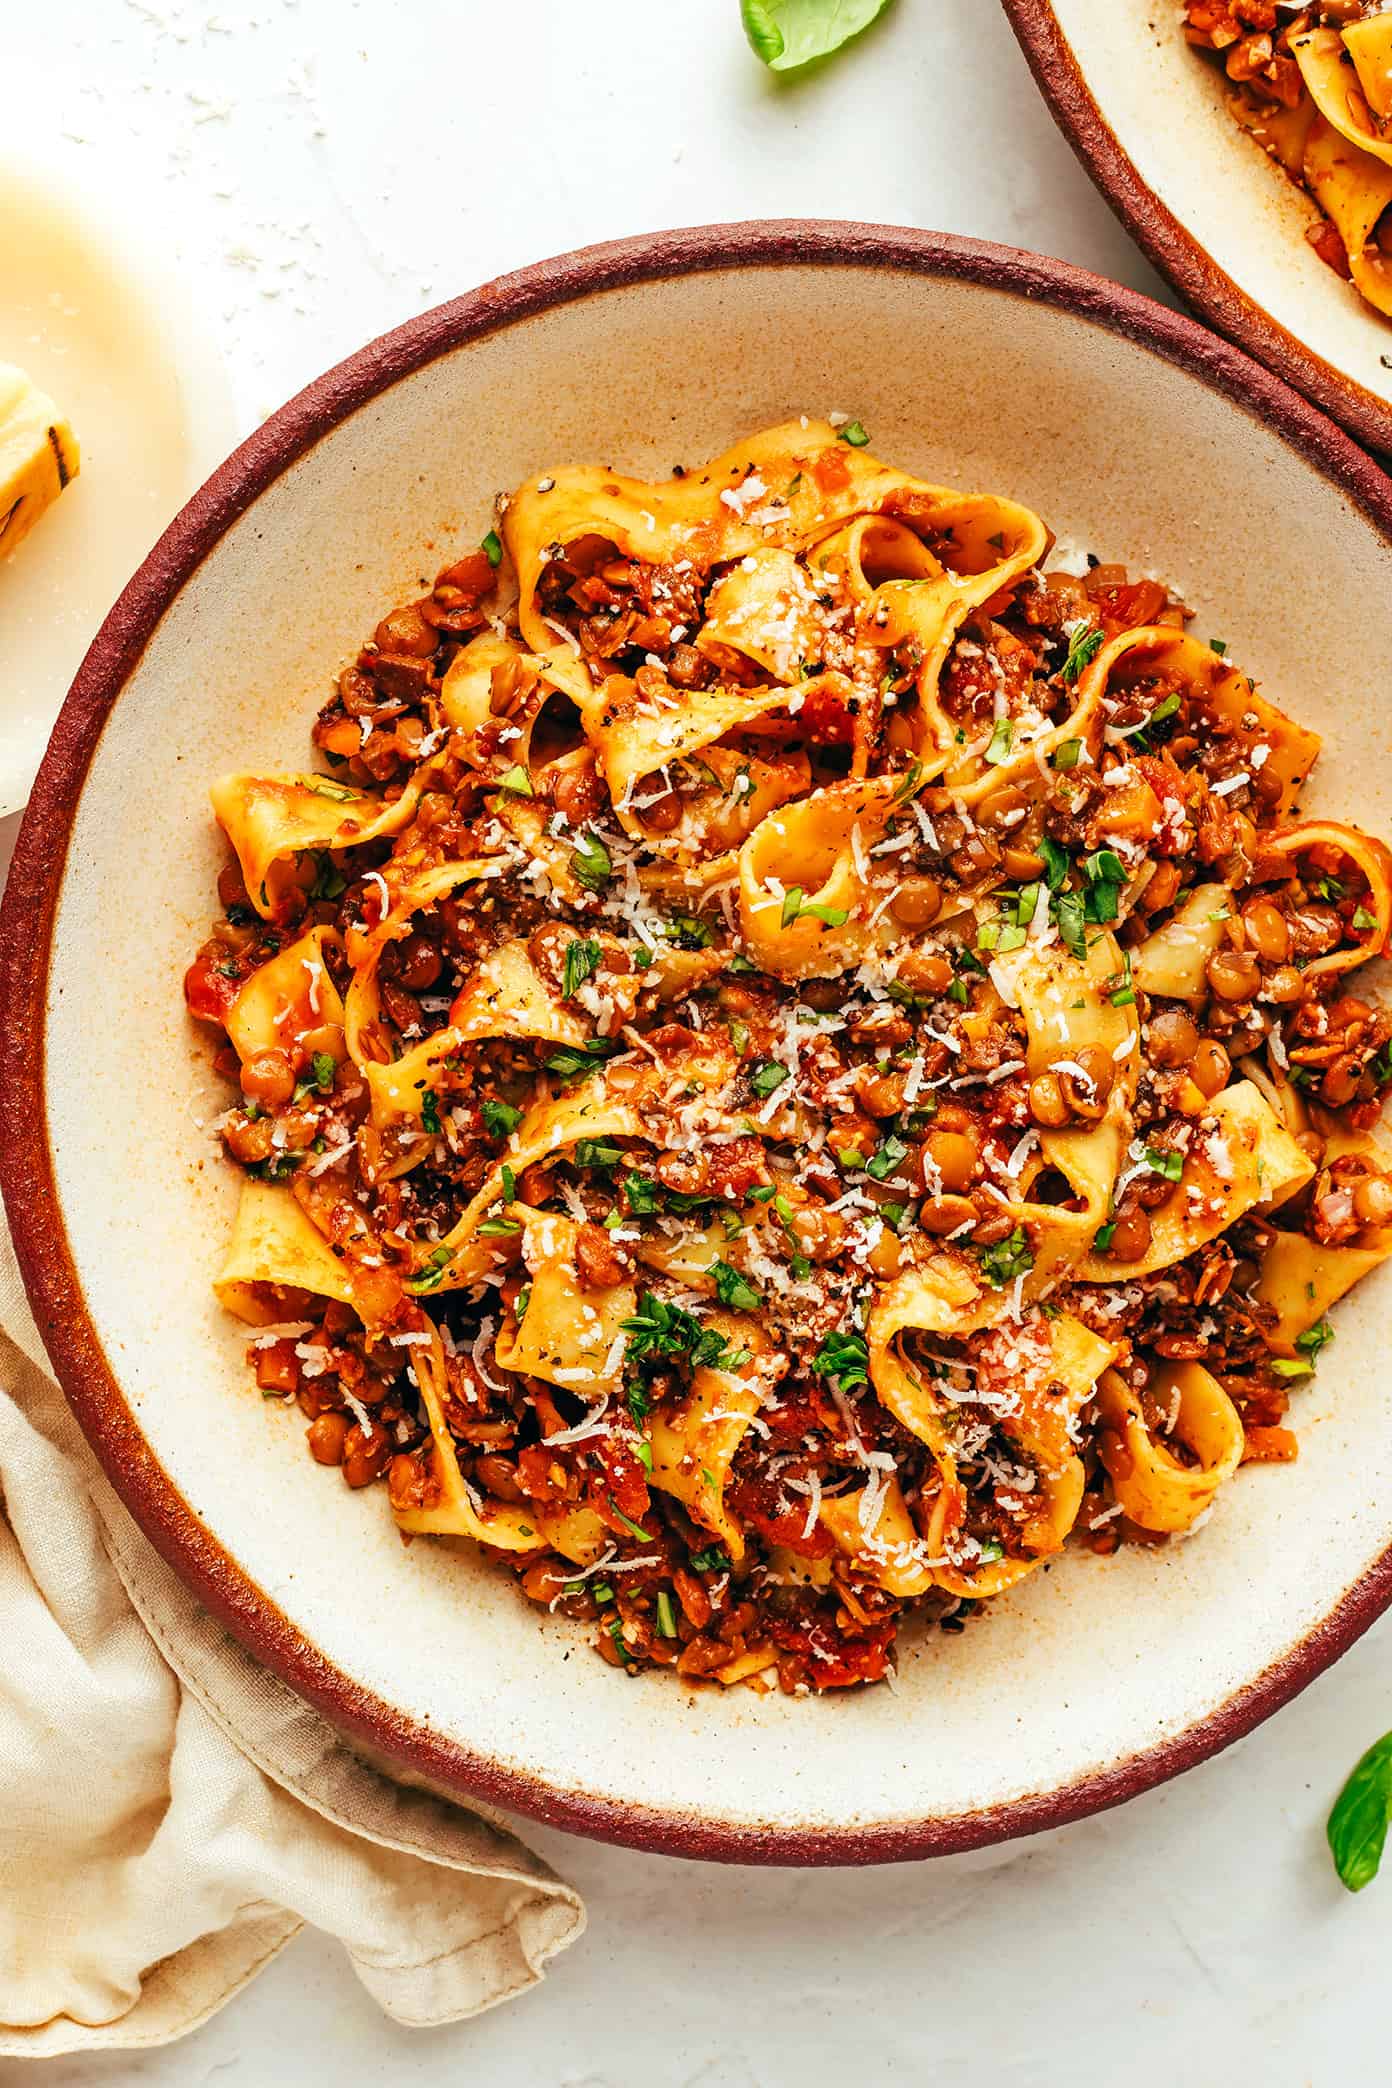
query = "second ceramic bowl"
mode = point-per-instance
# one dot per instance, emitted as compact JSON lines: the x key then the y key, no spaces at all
{"x":1146,"y":116}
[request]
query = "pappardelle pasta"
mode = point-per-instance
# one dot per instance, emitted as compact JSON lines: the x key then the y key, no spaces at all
{"x":798,"y":1055}
{"x":1313,"y":85}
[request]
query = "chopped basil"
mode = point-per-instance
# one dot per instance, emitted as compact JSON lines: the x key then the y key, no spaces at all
{"x":1070,"y":913}
{"x":1084,"y":644}
{"x":659,"y":1329}
{"x":1357,"y":1829}
{"x":999,"y":749}
{"x":577,"y":1062}
{"x":325,"y":787}
{"x":634,"y":1529}
{"x":590,"y":862}
{"x":596,"y":1152}
{"x":329,"y":882}
{"x":688,"y":933}
{"x":886,"y":1157}
{"x":844,"y":1358}
{"x":1056,"y":862}
{"x":795,"y":906}
{"x":581,"y":959}
{"x":1009,"y":1258}
{"x":734,"y":1290}
{"x":1314,"y":1338}
{"x":641,"y":1193}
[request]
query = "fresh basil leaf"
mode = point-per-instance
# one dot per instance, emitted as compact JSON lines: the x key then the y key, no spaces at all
{"x":1358,"y":1824}
{"x":789,"y":33}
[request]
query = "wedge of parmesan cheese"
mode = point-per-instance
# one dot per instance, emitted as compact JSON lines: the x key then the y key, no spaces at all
{"x":38,"y":455}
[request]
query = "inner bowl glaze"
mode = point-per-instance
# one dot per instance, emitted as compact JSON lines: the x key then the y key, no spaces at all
{"x":1132,"y":432}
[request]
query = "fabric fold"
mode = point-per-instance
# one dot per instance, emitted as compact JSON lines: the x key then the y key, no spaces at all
{"x":173,"y":1813}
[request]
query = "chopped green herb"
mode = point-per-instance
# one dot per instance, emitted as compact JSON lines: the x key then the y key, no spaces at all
{"x":1056,"y":862}
{"x":1123,"y":995}
{"x":641,"y":1193}
{"x":734,"y":1290}
{"x":577,"y":1062}
{"x":596,"y":1152}
{"x":326,"y":787}
{"x":1163,"y":1160}
{"x":432,"y":1270}
{"x":329,"y":882}
{"x":499,"y":1228}
{"x":1363,"y":920}
{"x":1291,"y":1366}
{"x":1070,"y":913}
{"x":886,"y":1157}
{"x":500,"y":1119}
{"x":666,"y":1622}
{"x":634,"y":1529}
{"x":1009,"y":1258}
{"x":767,"y":1076}
{"x":1218,"y":645}
{"x":844,"y":1358}
{"x":1084,"y":644}
{"x":430,"y":1113}
{"x":642,"y":1450}
{"x":492,"y":549}
{"x":581,"y":959}
{"x":659,"y":1329}
{"x":1314,"y":1339}
{"x":1001,"y":738}
{"x":517,"y":783}
{"x":1066,"y":754}
{"x":712,"y":1560}
{"x":855,"y":434}
{"x":590,"y":862}
{"x":323,"y":1066}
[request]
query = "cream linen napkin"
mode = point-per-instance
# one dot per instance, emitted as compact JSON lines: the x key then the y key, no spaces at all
{"x":170,"y":1814}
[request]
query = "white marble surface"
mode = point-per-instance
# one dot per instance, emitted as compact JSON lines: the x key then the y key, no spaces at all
{"x":323,"y":168}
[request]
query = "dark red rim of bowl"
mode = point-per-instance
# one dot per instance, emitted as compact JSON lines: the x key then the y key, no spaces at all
{"x":1171,"y":246}
{"x":26,"y":929}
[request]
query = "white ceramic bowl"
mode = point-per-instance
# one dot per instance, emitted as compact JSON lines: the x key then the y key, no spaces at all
{"x":1130,"y":430}
{"x":1146,"y":116}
